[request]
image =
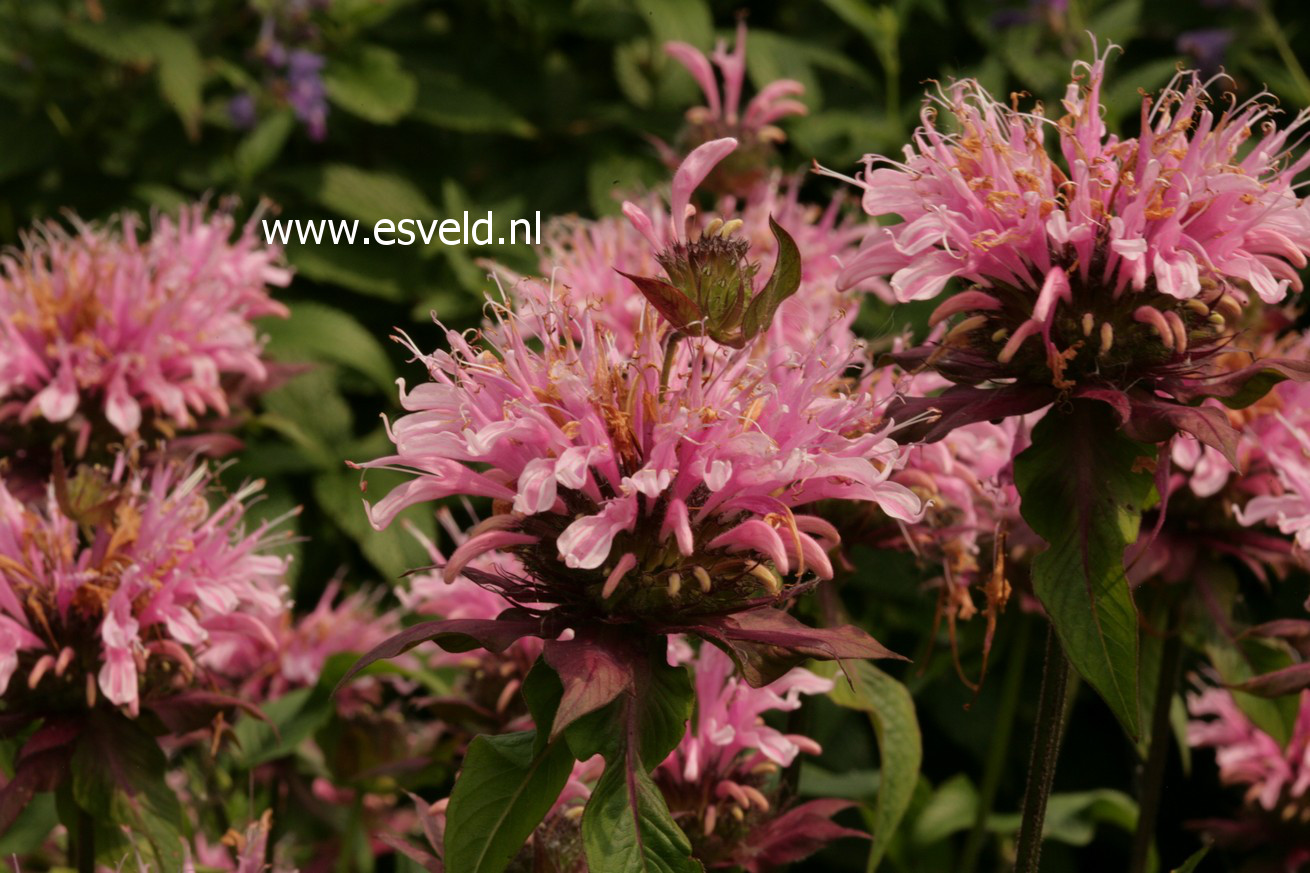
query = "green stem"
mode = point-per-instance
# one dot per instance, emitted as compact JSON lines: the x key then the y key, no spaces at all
{"x":1046,"y":750}
{"x":1153,"y":773}
{"x":670,"y":352}
{"x":999,"y":748}
{"x":85,"y":851}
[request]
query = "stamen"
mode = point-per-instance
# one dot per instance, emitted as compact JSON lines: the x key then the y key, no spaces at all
{"x":968,"y":326}
{"x":675,"y":584}
{"x":702,"y":577}
{"x":1197,"y":306}
{"x":771,"y":582}
{"x":1000,"y":335}
{"x":1217,"y":320}
{"x":626,"y":563}
{"x":713,"y":227}
{"x":730,"y":227}
{"x":1228,"y":307}
{"x":1089,"y":323}
{"x":1107,"y":338}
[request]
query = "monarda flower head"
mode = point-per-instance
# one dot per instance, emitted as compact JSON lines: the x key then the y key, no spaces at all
{"x":113,"y":334}
{"x":1101,"y":267}
{"x":642,"y":495}
{"x":1274,"y":775}
{"x":119,"y":584}
{"x":722,"y":116}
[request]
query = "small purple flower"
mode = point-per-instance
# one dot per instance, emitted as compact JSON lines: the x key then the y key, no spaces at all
{"x":269,"y":47}
{"x":241,"y":110}
{"x":306,"y":93}
{"x":1206,"y":46}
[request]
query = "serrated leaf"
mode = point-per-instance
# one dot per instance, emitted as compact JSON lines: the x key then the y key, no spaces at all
{"x":118,"y":774}
{"x":371,"y":196}
{"x":181,"y":74}
{"x":1083,"y":488}
{"x":627,"y":827}
{"x":259,"y":148}
{"x":372,"y":84}
{"x":320,"y":333}
{"x":900,"y":744}
{"x":506,"y":786}
{"x":449,"y":102}
{"x":677,"y":308}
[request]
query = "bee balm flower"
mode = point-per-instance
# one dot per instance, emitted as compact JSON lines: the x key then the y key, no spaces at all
{"x":101,"y":327}
{"x":658,"y":492}
{"x":118,"y":584}
{"x":1095,"y":266}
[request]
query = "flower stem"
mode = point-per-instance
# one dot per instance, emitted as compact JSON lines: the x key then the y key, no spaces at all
{"x":999,"y":748}
{"x":1153,"y":774}
{"x":85,"y":852}
{"x":1046,"y":750}
{"x":1274,"y":31}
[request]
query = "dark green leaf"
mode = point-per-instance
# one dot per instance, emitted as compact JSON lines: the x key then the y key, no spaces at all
{"x":1083,"y":488}
{"x":504,"y":790}
{"x":627,"y":827}
{"x":784,"y":281}
{"x":900,"y":745}
{"x":118,"y":774}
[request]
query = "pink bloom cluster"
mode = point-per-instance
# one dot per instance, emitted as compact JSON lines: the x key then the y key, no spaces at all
{"x":722,"y":116}
{"x":129,"y":577}
{"x":102,"y":322}
{"x":601,"y":465}
{"x":1274,"y":775}
{"x":1191,"y":207}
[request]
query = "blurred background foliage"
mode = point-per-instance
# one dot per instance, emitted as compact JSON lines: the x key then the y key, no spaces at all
{"x":368,"y":109}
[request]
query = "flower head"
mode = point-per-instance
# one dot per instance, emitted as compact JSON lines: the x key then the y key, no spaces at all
{"x":722,"y":115}
{"x":1100,"y":264}
{"x":657,"y":489}
{"x":103,"y":327}
{"x":123,"y":582}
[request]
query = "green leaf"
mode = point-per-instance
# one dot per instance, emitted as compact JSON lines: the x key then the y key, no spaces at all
{"x":661,"y":703}
{"x":784,"y":281}
{"x":259,"y":148}
{"x":371,"y":84}
{"x":181,"y":74}
{"x":1190,"y":865}
{"x":118,"y":774}
{"x":321,"y":333}
{"x":371,"y":196}
{"x":447,"y":101}
{"x":370,"y":270}
{"x":506,"y":787}
{"x":292,"y":719}
{"x":900,"y":745}
{"x":1072,"y":818}
{"x":1083,"y":489}
{"x":627,"y":827}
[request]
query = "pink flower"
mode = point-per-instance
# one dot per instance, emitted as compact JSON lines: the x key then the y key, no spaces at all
{"x":722,"y":115}
{"x":1246,"y":755}
{"x":100,"y":325}
{"x":1112,"y":269}
{"x":135,"y":566}
{"x":727,"y":741}
{"x":596,"y":460}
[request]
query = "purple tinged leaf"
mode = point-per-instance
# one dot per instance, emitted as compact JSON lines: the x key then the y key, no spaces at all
{"x":42,"y":765}
{"x":454,"y":635}
{"x":783,"y":283}
{"x":593,"y":675}
{"x":794,"y":836}
{"x":192,"y":710}
{"x":1083,"y":485}
{"x":1282,"y":628}
{"x":1240,"y":388}
{"x":1288,"y":680}
{"x":677,"y":308}
{"x":1158,"y":420}
{"x":765,"y":642}
{"x":961,"y":405}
